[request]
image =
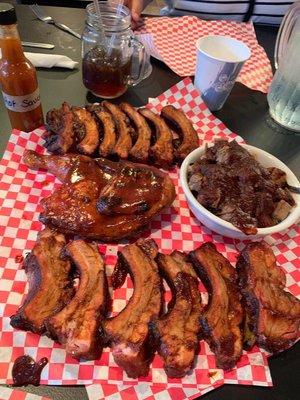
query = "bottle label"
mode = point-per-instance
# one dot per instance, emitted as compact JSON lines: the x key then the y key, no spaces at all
{"x":22,"y":103}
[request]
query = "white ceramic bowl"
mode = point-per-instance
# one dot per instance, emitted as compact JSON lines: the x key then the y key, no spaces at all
{"x":223,"y":227}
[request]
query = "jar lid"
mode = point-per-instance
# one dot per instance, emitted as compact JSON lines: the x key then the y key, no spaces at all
{"x":7,"y":14}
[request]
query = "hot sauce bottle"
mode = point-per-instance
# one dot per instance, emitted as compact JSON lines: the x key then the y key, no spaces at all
{"x":17,"y":76}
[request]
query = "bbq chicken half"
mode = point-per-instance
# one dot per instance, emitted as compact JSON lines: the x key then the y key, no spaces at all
{"x":101,"y":199}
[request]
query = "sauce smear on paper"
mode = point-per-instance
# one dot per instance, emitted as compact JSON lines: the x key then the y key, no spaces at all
{"x":26,"y":371}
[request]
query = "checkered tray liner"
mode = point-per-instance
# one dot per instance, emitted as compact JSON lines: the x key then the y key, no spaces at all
{"x":20,"y":192}
{"x":174,"y":40}
{"x":7,"y":393}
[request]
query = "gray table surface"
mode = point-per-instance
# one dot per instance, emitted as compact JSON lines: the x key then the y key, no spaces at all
{"x":245,"y":112}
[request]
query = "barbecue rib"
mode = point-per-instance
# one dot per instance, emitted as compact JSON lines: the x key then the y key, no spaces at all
{"x":140,"y":150}
{"x":188,"y":138}
{"x":109,"y":136}
{"x":72,"y":208}
{"x":50,"y":284}
{"x":77,"y":325}
{"x":272,"y":314}
{"x":90,"y":141}
{"x":60,"y":135}
{"x":162,"y":150}
{"x":223,"y":315}
{"x":128,"y":333}
{"x":124,"y":141}
{"x":177,"y":330}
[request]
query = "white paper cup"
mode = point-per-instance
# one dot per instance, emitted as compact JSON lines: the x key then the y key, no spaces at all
{"x":219,"y":61}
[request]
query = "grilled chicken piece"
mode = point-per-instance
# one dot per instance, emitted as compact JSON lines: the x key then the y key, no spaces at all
{"x":184,"y":128}
{"x":124,"y":141}
{"x":69,"y":168}
{"x":90,"y":141}
{"x":77,"y":325}
{"x":134,"y":190}
{"x":128,"y":333}
{"x":60,"y":135}
{"x":72,"y":208}
{"x":272,"y":314}
{"x":177,"y":330}
{"x":109,"y":135}
{"x":50,"y":283}
{"x":140,"y":150}
{"x":162,"y":150}
{"x":223,"y":314}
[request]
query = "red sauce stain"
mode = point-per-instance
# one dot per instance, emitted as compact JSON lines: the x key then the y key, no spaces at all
{"x":19,"y":259}
{"x":44,"y":183}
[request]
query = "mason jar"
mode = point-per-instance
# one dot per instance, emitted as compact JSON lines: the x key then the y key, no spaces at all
{"x":112,"y":58}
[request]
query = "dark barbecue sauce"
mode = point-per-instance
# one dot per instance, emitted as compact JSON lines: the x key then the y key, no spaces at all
{"x":105,"y":75}
{"x":19,"y":259}
{"x":26,"y":371}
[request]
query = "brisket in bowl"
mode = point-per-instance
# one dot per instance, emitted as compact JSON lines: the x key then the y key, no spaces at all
{"x":239,"y":191}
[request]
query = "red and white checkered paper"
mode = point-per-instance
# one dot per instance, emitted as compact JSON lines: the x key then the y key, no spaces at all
{"x":7,"y":393}
{"x":176,"y":228}
{"x":174,"y":40}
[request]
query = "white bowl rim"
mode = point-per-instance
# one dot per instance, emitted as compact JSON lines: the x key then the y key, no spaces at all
{"x":285,"y":224}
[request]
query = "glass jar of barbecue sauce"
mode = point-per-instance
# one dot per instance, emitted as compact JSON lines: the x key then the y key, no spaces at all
{"x":112,"y":58}
{"x":17,"y":76}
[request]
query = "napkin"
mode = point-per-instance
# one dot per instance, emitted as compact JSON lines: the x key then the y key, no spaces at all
{"x":51,"y":60}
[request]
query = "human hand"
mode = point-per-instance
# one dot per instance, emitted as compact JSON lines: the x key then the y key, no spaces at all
{"x":136,"y":7}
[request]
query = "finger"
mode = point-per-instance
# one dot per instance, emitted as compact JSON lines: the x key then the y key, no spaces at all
{"x":136,"y":9}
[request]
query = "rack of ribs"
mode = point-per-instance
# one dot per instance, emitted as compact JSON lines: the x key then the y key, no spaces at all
{"x":128,"y":333}
{"x":121,"y":132}
{"x":177,"y":330}
{"x":99,"y":198}
{"x":223,"y":315}
{"x":272,"y":314}
{"x":77,"y":325}
{"x":50,"y":283}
